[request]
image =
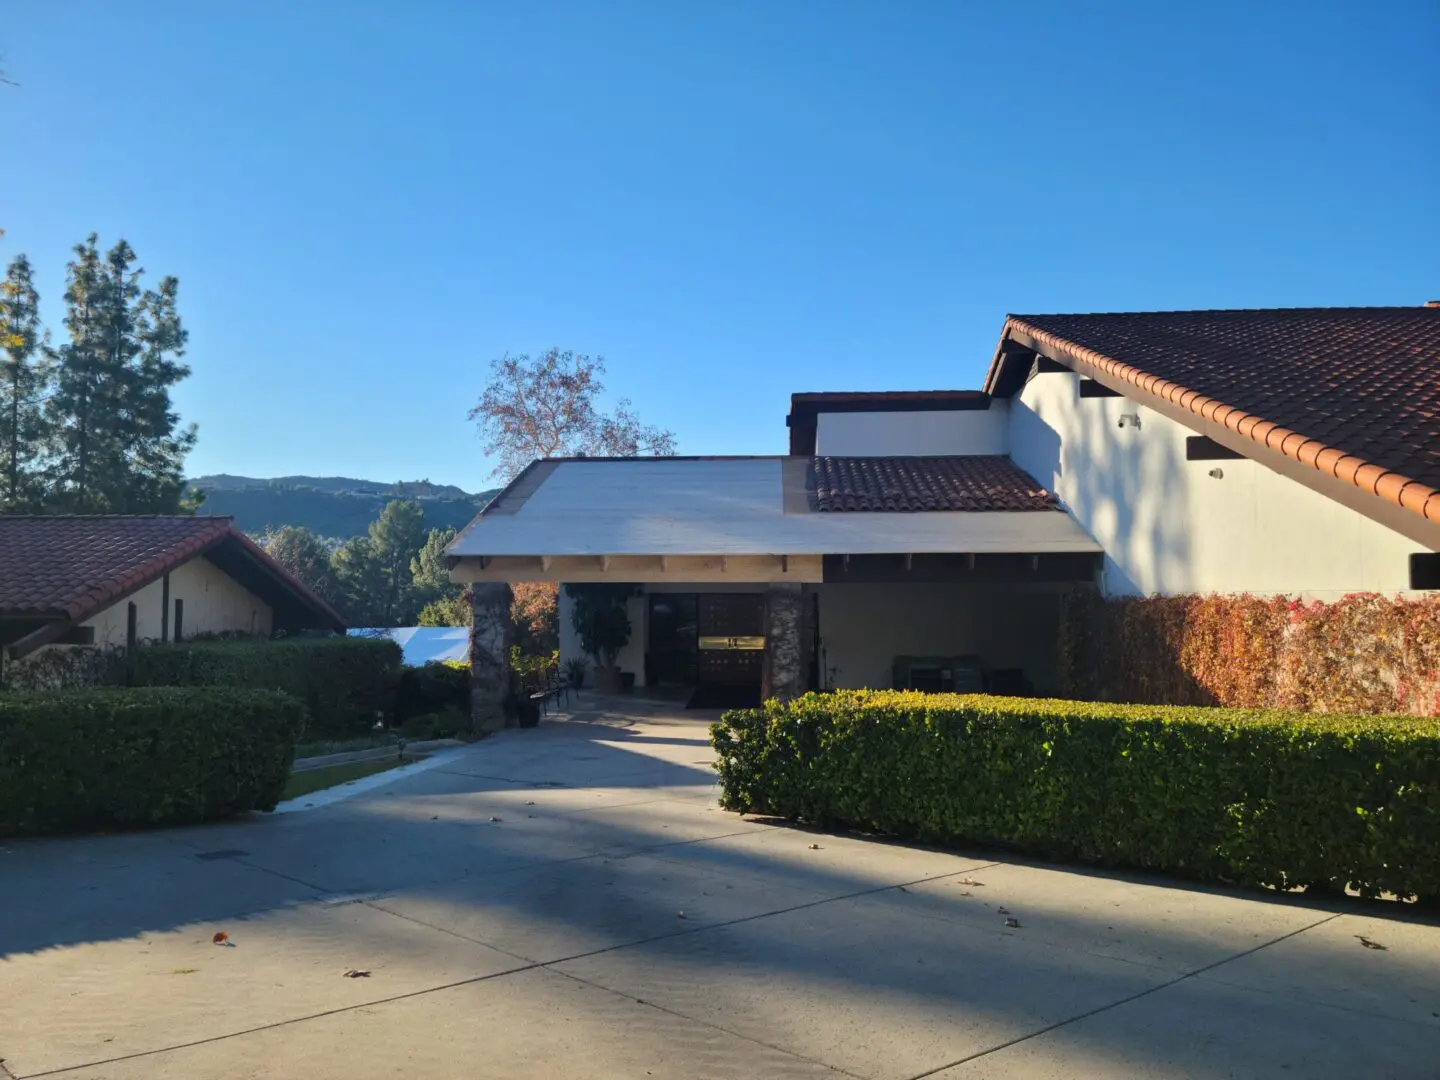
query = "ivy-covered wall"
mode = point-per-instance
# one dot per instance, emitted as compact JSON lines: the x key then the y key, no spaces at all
{"x":1365,"y":653}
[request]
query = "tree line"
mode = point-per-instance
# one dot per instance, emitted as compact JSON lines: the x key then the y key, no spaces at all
{"x":395,"y":575}
{"x":87,"y":425}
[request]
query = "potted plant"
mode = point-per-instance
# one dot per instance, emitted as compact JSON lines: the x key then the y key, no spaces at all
{"x":575,"y":672}
{"x":603,"y":626}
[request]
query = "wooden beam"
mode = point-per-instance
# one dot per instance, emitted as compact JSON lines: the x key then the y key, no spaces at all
{"x":784,"y":564}
{"x":165,"y":608}
{"x":1204,"y":448}
{"x":604,"y":563}
{"x":664,"y":563}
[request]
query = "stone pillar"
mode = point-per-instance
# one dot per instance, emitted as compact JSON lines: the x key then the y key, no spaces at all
{"x":490,"y":636}
{"x":784,"y":668}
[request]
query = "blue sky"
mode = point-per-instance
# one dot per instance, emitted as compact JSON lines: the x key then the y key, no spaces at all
{"x":366,"y":202}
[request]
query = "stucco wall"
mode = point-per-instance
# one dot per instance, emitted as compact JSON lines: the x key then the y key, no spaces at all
{"x":864,"y":627}
{"x":214,"y":602}
{"x":1169,"y":527}
{"x":880,"y":434}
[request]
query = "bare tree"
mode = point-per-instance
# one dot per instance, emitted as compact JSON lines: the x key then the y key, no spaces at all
{"x":548,"y":407}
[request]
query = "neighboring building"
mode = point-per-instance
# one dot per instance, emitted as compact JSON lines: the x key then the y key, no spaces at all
{"x":69,"y":581}
{"x":1287,"y":451}
{"x":423,"y":644}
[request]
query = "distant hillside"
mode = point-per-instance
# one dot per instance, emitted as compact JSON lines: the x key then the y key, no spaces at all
{"x":330,"y":506}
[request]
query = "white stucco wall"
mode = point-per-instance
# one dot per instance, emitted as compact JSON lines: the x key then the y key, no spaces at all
{"x":214,"y":602}
{"x":881,"y":434}
{"x":864,"y":627}
{"x":1169,"y":527}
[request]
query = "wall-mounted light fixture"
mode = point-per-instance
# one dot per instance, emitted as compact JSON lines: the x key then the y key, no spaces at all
{"x":1129,"y":420}
{"x":1218,"y":474}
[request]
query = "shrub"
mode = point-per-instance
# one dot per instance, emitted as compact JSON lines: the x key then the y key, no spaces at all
{"x":430,"y":688}
{"x":1364,"y":653}
{"x":344,"y":682}
{"x":142,"y":756}
{"x":1243,"y":797}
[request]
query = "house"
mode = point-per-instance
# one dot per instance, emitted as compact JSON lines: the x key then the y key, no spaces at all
{"x":926,"y":538}
{"x":105,"y":581}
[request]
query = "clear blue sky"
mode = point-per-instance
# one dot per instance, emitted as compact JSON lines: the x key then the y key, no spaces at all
{"x":366,"y":202}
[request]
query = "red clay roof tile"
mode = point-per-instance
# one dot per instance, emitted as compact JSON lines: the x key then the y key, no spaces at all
{"x":1360,"y":387}
{"x":72,"y":566}
{"x":915,"y":484}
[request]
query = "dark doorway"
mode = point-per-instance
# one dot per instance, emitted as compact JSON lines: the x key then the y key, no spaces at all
{"x":674,"y":634}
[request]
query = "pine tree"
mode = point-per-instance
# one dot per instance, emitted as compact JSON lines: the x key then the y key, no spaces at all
{"x":395,"y":538}
{"x":429,"y":573}
{"x":119,"y":448}
{"x":24,"y":382}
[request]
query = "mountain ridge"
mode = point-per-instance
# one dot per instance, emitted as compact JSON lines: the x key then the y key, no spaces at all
{"x":335,"y":507}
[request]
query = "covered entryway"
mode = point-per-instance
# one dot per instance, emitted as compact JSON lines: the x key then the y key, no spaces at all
{"x":736,"y":560}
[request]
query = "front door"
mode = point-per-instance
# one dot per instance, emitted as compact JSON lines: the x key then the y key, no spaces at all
{"x":732,"y":638}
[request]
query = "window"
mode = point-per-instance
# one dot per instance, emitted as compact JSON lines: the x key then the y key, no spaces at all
{"x":1425,"y":570}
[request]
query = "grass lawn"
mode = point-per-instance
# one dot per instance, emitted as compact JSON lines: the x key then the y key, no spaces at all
{"x":303,"y":783}
{"x":320,"y":747}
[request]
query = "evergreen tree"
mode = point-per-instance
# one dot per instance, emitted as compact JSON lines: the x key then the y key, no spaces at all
{"x":24,"y":383}
{"x":307,"y":558}
{"x":429,"y":574}
{"x":119,"y":448}
{"x":360,"y":582}
{"x":395,"y":539}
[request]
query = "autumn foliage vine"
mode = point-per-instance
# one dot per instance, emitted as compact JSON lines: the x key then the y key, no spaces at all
{"x":1365,"y":653}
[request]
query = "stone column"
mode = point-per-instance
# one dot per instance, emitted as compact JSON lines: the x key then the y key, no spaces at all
{"x":784,"y":668}
{"x":490,"y":636}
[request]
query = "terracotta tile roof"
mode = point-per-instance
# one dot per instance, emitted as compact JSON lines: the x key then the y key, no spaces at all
{"x":71,"y":567}
{"x":1351,"y":392}
{"x":910,"y":484}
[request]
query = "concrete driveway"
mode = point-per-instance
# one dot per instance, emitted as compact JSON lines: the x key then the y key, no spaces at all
{"x":570,"y":902}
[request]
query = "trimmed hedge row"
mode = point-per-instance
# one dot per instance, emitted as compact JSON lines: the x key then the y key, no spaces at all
{"x":343,"y":682}
{"x":437,"y":686}
{"x":1243,"y":797}
{"x":142,"y":756}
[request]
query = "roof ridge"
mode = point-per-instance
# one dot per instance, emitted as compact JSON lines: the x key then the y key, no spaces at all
{"x":116,"y":517}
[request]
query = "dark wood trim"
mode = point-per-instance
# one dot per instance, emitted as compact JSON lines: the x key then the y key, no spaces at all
{"x":1090,"y":388}
{"x":932,"y":569}
{"x":165,"y":608}
{"x":179,"y":619}
{"x":23,"y":647}
{"x":76,"y":635}
{"x":1204,"y":448}
{"x":132,"y":641}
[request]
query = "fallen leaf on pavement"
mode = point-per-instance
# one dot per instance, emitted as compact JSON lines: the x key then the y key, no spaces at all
{"x":494,"y":819}
{"x":679,"y":914}
{"x":220,"y":938}
{"x":814,"y":847}
{"x":1370,"y":944}
{"x":1002,"y":911}
{"x":968,"y":881}
{"x":1014,"y":924}
{"x":355,"y":973}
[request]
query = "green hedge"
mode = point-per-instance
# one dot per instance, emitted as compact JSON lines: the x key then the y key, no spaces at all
{"x":438,"y":686}
{"x":1244,"y":797}
{"x":344,"y":682}
{"x":142,"y":756}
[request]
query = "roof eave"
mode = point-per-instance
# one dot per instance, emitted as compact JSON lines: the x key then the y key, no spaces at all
{"x":1396,"y":501}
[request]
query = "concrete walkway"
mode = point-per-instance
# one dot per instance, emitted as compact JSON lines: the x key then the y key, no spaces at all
{"x":570,"y":902}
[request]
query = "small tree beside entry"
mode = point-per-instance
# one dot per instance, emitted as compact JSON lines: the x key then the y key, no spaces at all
{"x":603,"y":626}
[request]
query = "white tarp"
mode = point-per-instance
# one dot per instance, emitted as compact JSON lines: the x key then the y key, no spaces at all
{"x":424,"y":644}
